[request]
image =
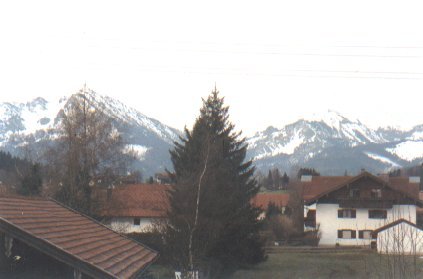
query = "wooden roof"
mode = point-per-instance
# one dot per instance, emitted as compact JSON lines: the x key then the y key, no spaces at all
{"x":73,"y":238}
{"x":392,"y":224}
{"x":138,"y":200}
{"x":320,"y":186}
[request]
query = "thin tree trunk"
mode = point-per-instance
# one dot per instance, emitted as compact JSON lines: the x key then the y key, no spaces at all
{"x":197,"y":209}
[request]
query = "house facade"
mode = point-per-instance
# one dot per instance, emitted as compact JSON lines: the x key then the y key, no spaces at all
{"x":136,"y":208}
{"x":348,"y":209}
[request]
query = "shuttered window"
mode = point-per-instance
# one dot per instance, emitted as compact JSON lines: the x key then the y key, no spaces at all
{"x":377,"y":214}
{"x":365,"y":234}
{"x":346,"y":213}
{"x":347,"y":234}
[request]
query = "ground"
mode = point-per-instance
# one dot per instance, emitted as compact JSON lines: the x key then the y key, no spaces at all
{"x":311,"y":264}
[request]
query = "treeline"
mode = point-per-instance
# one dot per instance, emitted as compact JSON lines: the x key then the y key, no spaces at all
{"x":19,"y":175}
{"x":274,"y":181}
{"x":411,"y":171}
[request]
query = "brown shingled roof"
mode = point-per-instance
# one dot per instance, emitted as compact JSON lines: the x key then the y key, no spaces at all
{"x":403,"y":184}
{"x":322,"y":185}
{"x":73,"y":238}
{"x":262,"y":200}
{"x":392,"y":224}
{"x":138,"y":200}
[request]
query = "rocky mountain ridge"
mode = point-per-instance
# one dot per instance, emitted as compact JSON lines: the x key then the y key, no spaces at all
{"x":329,"y":142}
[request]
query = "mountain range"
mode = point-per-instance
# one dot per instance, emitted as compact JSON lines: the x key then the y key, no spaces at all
{"x":333,"y":144}
{"x":330,"y":143}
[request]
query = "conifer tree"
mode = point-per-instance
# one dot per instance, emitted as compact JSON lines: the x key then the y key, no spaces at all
{"x":285,"y":180}
{"x":213,"y":227}
{"x":269,"y":181}
{"x":276,"y":179}
{"x":32,"y":182}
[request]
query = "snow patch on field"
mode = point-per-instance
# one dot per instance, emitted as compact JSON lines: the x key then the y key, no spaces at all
{"x":417,"y":136}
{"x":137,"y":150}
{"x":287,"y":148}
{"x":408,"y":150}
{"x":382,"y":159}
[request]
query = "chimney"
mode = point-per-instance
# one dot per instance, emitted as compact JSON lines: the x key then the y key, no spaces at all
{"x":306,"y":178}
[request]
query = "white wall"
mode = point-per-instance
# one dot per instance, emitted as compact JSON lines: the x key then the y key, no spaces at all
{"x":126,"y":224}
{"x":327,"y":217}
{"x":400,"y":239}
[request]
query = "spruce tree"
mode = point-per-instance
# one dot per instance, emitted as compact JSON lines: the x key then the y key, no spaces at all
{"x":31,"y":183}
{"x":213,"y":227}
{"x":269,"y":181}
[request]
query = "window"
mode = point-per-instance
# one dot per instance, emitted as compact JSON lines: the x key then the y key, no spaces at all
{"x":376,"y":193}
{"x":354,"y":193}
{"x":137,"y":221}
{"x":348,"y":234}
{"x":377,"y":214}
{"x":346,"y":213}
{"x":365,"y":234}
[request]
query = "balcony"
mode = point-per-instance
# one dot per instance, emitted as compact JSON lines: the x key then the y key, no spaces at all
{"x":365,"y":203}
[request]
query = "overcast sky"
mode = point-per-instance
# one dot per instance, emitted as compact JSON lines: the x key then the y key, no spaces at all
{"x":274,"y":61}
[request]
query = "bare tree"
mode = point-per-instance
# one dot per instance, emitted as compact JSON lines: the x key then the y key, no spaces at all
{"x":88,"y":152}
{"x":399,"y":246}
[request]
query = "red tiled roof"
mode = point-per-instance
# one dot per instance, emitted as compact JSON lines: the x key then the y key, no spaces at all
{"x":138,"y":200}
{"x":72,"y":238}
{"x":262,"y":200}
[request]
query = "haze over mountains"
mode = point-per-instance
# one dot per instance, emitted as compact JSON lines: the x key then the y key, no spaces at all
{"x":329,"y":142}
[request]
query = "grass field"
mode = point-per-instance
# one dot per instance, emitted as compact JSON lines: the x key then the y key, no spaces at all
{"x":340,"y":264}
{"x":311,"y":265}
{"x":292,"y":264}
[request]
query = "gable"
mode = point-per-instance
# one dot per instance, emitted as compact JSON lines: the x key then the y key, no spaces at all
{"x":368,"y":191}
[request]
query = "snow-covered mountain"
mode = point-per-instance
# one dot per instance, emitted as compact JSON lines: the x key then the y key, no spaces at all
{"x":29,"y":127}
{"x":329,"y":142}
{"x":332,"y":144}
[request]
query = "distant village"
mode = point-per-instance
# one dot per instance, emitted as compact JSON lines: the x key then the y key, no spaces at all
{"x":83,"y":217}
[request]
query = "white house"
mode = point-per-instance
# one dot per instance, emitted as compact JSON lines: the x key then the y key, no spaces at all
{"x":348,"y":209}
{"x":400,"y":237}
{"x":136,"y":208}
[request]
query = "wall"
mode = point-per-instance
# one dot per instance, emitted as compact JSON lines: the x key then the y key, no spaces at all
{"x":400,"y":239}
{"x":327,"y":217}
{"x":126,"y":224}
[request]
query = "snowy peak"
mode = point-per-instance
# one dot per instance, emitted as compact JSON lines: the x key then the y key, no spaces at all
{"x":31,"y":126}
{"x":319,"y":130}
{"x":331,"y":118}
{"x":128,"y":115}
{"x":330,"y":141}
{"x":342,"y":127}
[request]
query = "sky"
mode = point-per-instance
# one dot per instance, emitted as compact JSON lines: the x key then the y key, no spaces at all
{"x":273,"y":61}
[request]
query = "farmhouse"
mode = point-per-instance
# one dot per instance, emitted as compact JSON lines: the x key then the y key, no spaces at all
{"x":348,"y":209}
{"x":82,"y":245}
{"x":263,"y":200}
{"x":135,"y":208}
